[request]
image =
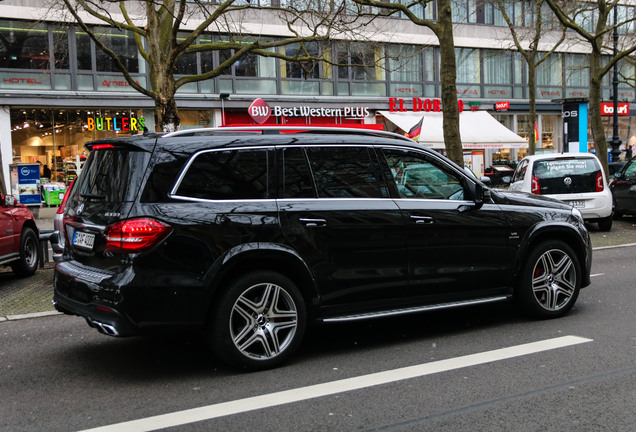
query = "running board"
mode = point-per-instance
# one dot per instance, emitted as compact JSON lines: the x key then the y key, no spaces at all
{"x":393,"y":312}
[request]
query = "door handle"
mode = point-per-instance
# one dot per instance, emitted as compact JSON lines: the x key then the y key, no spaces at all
{"x":313,"y":222}
{"x":422,"y":219}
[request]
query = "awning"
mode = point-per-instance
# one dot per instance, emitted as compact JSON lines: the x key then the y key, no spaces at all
{"x":478,"y":129}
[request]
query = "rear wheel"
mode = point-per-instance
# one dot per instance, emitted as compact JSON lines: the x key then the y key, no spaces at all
{"x":550,"y":280}
{"x":259,"y":322}
{"x":29,"y":253}
{"x":605,"y":224}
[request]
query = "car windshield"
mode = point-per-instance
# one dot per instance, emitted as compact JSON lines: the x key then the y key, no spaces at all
{"x":567,"y":175}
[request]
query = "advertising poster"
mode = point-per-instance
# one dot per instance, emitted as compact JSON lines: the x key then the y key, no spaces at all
{"x":28,"y":183}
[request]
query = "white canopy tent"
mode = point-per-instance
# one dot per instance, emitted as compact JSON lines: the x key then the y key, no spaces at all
{"x":478,"y":129}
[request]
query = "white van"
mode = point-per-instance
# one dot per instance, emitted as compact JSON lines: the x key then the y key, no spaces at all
{"x":575,"y":178}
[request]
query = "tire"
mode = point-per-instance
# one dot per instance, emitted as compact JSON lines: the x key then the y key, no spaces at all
{"x":259,"y":322}
{"x":29,"y":254}
{"x":550,"y":281}
{"x":605,"y":224}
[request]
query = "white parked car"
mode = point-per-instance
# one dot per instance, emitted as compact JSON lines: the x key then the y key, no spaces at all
{"x":575,"y":178}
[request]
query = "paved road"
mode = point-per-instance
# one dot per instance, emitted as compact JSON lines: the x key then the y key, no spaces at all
{"x":59,"y":375}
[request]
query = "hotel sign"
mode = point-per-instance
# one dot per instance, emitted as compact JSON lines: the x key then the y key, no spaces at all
{"x":418,"y":105}
{"x":260,"y":111}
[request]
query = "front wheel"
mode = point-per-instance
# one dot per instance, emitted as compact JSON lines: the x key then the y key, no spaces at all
{"x":259,"y":322}
{"x":29,"y":253}
{"x":550,"y":280}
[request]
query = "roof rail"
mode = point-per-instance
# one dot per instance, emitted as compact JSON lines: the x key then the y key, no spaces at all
{"x":264,"y":130}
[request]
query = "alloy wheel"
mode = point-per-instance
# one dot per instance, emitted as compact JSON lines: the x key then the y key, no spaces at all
{"x":554,"y":280}
{"x":263,"y":321}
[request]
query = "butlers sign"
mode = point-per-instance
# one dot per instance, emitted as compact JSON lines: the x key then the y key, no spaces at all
{"x":260,"y":111}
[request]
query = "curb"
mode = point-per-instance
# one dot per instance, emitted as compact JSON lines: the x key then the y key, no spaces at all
{"x":29,"y":315}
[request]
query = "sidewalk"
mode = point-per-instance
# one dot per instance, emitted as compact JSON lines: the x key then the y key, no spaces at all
{"x":26,"y":297}
{"x":31,"y":295}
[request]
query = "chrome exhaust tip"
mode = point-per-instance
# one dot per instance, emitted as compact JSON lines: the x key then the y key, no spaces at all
{"x":103,"y":328}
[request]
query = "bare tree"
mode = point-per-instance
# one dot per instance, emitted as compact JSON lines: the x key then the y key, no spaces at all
{"x":527,"y":42}
{"x":442,"y":27}
{"x":593,"y":22}
{"x":166,"y":30}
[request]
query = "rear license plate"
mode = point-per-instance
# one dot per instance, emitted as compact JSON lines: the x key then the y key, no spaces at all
{"x":577,"y":204}
{"x":84,"y":240}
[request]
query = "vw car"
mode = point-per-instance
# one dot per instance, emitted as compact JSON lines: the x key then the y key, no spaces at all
{"x":250,"y":235}
{"x":19,"y":237}
{"x":577,"y":179}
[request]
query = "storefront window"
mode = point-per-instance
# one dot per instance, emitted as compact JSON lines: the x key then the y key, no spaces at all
{"x":497,"y":67}
{"x":187,"y":63}
{"x":84,"y":55}
{"x":468,"y":67}
{"x":577,"y":70}
{"x":121,"y":43}
{"x":56,"y":137}
{"x":306,"y":69}
{"x":549,"y":73}
{"x":24,"y":45}
{"x":405,"y":63}
{"x":60,"y":47}
{"x":364,"y":60}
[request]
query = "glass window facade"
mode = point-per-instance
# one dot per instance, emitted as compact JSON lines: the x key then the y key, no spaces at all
{"x":24,"y":45}
{"x":53,"y":57}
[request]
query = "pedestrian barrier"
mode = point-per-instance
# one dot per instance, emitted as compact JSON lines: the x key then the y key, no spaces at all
{"x":45,"y":238}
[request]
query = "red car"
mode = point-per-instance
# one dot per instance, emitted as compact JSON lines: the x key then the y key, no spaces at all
{"x":19,"y":237}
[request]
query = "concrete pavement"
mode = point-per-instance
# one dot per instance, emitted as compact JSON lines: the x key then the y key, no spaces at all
{"x":29,"y":297}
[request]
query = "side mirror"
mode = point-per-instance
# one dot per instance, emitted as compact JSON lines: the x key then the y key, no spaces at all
{"x":9,"y":200}
{"x":618,"y":175}
{"x":480,"y":195}
{"x":485,"y":180}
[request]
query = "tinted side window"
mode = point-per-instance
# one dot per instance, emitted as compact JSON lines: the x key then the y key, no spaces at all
{"x":346,"y":172}
{"x":227,"y":175}
{"x":417,"y":176}
{"x":296,"y":181}
{"x":630,"y":171}
{"x":520,"y":172}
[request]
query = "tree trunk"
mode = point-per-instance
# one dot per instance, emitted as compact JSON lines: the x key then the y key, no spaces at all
{"x":532,"y":88}
{"x":596,"y":121}
{"x":448,"y":77}
{"x":167,"y":115}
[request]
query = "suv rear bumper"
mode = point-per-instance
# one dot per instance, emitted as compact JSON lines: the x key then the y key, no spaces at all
{"x":75,"y":288}
{"x":104,"y":318}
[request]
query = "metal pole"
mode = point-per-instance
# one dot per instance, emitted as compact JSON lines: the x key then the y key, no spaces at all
{"x":616,"y":142}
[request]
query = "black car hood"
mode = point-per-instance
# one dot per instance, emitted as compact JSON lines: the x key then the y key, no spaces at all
{"x":527,"y":199}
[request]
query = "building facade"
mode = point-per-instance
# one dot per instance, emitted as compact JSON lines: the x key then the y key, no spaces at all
{"x":59,"y":90}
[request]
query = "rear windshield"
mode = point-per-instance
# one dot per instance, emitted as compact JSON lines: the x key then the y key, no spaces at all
{"x":563,"y":176}
{"x":111,"y":175}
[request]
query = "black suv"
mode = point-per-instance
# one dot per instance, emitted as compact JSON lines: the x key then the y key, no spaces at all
{"x":251,"y":235}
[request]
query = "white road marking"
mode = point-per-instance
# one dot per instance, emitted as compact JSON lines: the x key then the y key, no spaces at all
{"x":615,"y":246}
{"x":597,"y":274}
{"x":319,"y":390}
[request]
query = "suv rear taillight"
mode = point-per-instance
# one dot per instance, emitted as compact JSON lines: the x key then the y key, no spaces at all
{"x":534,"y":186}
{"x":599,"y":182}
{"x":135,"y":235}
{"x":62,"y":206}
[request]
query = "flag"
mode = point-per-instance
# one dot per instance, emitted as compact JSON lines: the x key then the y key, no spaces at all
{"x":416,"y":130}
